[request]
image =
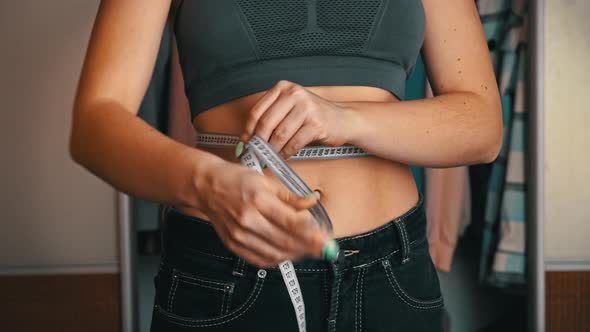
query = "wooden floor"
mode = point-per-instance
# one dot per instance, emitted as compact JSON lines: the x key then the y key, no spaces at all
{"x":60,"y":303}
{"x":567,"y":301}
{"x":92,"y":303}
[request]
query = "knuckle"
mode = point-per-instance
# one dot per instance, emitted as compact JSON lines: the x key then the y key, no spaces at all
{"x":231,"y":245}
{"x":296,"y":90}
{"x":257,"y":198}
{"x":263,"y":123}
{"x":291,"y":244}
{"x":283,"y":83}
{"x":276,"y":257}
{"x":280,"y":134}
{"x":236,"y":235}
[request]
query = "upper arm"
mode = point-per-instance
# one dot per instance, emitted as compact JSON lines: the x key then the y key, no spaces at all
{"x":455,"y":50}
{"x":122,"y":52}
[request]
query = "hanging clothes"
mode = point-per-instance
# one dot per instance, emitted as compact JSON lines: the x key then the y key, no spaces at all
{"x":503,"y":254}
{"x":448,"y":208}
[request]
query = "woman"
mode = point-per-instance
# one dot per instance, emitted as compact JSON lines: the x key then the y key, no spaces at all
{"x":297,"y":73}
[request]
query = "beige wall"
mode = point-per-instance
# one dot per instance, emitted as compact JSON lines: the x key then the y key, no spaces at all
{"x":567,"y":129}
{"x":54,"y":215}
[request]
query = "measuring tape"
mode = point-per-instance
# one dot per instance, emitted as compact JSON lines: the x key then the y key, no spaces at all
{"x":307,"y":152}
{"x":257,"y":150}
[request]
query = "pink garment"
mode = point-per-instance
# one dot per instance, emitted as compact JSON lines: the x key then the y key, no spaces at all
{"x":448,"y":208}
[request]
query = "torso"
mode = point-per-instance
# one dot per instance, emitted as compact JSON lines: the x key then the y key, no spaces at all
{"x":359,"y":194}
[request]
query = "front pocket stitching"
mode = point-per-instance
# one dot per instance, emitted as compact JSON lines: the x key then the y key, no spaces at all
{"x":419,"y":304}
{"x":172,"y":292}
{"x":201,"y":285}
{"x":183,"y":275}
{"x":237,"y":313}
{"x":209,"y":254}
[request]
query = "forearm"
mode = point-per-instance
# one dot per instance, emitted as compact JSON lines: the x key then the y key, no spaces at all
{"x":444,"y":131}
{"x":134,"y":158}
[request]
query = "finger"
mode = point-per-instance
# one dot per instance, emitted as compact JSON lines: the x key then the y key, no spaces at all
{"x":287,"y":128}
{"x":299,"y":140}
{"x":273,"y":233}
{"x":237,"y":248}
{"x":272,"y":116}
{"x":259,"y":108}
{"x":294,"y":200}
{"x":298,"y":224}
{"x":245,"y":240}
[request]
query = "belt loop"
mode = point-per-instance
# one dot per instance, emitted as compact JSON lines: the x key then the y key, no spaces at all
{"x":405,"y":240}
{"x":239,"y":267}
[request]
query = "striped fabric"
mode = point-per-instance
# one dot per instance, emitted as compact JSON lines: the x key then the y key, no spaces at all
{"x":503,"y":253}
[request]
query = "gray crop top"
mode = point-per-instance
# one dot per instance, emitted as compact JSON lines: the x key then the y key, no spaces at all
{"x":232,"y":48}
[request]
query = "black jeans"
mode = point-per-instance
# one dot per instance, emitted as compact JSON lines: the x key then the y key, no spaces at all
{"x":386,"y":282}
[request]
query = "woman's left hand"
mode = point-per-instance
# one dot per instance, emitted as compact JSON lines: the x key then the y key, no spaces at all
{"x":289,"y":117}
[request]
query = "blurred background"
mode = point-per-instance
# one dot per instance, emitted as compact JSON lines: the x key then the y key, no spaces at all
{"x":76,"y":255}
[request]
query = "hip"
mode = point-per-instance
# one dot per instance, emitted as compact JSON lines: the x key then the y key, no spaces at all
{"x":386,"y":281}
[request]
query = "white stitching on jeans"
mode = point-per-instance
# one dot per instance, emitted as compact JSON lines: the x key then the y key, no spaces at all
{"x":201,"y":285}
{"x":356,"y":300}
{"x":210,"y":254}
{"x":189,"y":323}
{"x":339,"y":277}
{"x":223,"y":303}
{"x":183,"y":275}
{"x":325,"y":289}
{"x":243,"y":261}
{"x":172,"y":291}
{"x":361,"y":301}
{"x":419,"y":304}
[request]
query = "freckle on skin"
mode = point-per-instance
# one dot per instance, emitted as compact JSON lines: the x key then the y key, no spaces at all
{"x":458,"y":59}
{"x":459,"y":72}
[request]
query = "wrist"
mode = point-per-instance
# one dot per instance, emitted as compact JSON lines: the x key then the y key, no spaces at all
{"x":352,"y":122}
{"x":205,"y":167}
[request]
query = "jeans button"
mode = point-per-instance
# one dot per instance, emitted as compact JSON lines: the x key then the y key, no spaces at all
{"x":261,"y":273}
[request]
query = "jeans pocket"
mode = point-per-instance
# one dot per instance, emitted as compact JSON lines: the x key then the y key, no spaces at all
{"x":414,"y":283}
{"x":401,"y":297}
{"x":188,"y":291}
{"x":193,"y":300}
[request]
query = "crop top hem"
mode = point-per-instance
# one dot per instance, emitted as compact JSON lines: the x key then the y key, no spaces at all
{"x":305,"y":70}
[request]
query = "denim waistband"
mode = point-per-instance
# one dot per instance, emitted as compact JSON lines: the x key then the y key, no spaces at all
{"x":187,"y":234}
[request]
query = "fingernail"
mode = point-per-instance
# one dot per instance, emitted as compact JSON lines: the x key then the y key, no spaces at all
{"x":311,"y":195}
{"x":330,"y":251}
{"x":239,"y":149}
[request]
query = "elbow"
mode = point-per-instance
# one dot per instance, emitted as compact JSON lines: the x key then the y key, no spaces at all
{"x":491,"y":148}
{"x":75,"y":141}
{"x":492,"y":135}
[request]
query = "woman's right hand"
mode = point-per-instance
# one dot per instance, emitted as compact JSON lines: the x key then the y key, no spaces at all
{"x":260,"y":219}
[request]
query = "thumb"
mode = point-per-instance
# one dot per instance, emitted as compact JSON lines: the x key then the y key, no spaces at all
{"x":298,"y":202}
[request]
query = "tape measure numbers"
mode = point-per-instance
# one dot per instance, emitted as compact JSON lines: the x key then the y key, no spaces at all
{"x":257,"y":150}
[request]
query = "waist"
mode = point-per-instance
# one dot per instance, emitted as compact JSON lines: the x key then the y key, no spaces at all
{"x":185,"y":237}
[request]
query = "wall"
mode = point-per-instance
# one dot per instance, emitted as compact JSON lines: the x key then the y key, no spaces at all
{"x":567,"y":134}
{"x":56,"y":217}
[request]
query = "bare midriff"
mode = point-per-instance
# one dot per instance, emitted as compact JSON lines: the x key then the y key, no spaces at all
{"x":359,"y":194}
